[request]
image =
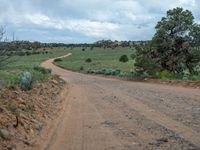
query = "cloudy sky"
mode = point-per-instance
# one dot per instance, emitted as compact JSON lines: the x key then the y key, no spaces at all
{"x":75,"y":21}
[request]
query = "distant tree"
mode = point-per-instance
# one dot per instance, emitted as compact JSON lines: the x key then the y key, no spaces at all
{"x":4,"y":56}
{"x":173,"y":47}
{"x":88,"y":60}
{"x":123,"y":58}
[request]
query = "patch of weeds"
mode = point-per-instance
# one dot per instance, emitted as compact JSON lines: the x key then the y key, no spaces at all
{"x":11,"y":107}
{"x":105,"y":71}
{"x":38,"y":76}
{"x":42,"y":69}
{"x":81,"y":68}
{"x":88,"y":60}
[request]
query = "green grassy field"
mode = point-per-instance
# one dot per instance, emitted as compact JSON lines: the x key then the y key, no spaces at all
{"x":101,"y":58}
{"x":10,"y":73}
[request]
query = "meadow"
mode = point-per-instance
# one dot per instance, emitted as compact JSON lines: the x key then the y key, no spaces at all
{"x":9,"y":73}
{"x":99,"y":58}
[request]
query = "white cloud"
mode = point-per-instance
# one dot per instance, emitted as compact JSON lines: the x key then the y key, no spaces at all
{"x":89,"y":20}
{"x":188,"y":2}
{"x":86,"y":27}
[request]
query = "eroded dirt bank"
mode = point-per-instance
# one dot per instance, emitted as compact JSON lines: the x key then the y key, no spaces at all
{"x":110,"y":114}
{"x":24,"y":115}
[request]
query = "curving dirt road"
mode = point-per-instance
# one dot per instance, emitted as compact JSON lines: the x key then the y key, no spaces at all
{"x":110,"y":114}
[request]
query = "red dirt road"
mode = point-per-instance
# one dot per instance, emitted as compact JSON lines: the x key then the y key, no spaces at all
{"x":111,"y":114}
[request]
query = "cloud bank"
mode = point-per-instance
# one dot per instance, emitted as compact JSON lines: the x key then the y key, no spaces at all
{"x":88,"y":20}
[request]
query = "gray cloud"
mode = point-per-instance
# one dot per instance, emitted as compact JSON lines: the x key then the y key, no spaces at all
{"x":88,"y":20}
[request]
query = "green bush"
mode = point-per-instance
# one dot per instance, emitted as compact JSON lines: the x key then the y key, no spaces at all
{"x":57,"y":60}
{"x":28,"y":53}
{"x":133,"y":56}
{"x":81,"y":68}
{"x":38,"y":76}
{"x":88,"y":60}
{"x":106,"y":71}
{"x":166,"y":75}
{"x":26,"y":81}
{"x":21,"y":53}
{"x":123,"y":58}
{"x":42,"y":69}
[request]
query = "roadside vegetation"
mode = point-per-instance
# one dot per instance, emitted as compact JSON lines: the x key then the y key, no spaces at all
{"x":173,"y":52}
{"x":12,"y":70}
{"x":97,"y":58}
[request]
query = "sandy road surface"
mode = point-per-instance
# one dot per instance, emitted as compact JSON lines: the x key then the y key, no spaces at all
{"x":110,"y":114}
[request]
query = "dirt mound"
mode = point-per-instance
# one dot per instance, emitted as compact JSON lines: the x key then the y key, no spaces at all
{"x":24,"y":114}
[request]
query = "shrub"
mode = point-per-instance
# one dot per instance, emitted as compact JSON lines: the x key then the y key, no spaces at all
{"x":118,"y":71}
{"x":133,"y":56}
{"x":11,"y":106}
{"x":166,"y":75}
{"x":21,"y":53}
{"x":88,"y":60}
{"x":81,"y":68}
{"x":57,"y":60}
{"x":42,"y":69}
{"x":123,"y":58}
{"x":28,"y":53}
{"x":106,"y":71}
{"x":26,"y":81}
{"x":90,"y":71}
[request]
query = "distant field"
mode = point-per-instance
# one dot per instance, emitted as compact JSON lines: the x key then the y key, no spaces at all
{"x":101,"y":58}
{"x":10,"y":72}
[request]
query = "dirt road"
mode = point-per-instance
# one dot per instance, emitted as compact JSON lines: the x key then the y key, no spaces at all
{"x":110,"y":114}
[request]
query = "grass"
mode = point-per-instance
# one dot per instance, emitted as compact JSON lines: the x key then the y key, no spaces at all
{"x":9,"y":73}
{"x":100,"y":58}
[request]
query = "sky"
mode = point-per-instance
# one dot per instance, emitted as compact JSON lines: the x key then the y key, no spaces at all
{"x":86,"y":21}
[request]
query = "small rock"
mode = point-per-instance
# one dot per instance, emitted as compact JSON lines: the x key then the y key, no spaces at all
{"x":191,"y":148}
{"x":31,"y":131}
{"x":38,"y":125}
{"x":11,"y":147}
{"x":45,"y":115}
{"x":163,"y":139}
{"x":108,"y":122}
{"x":54,"y":81}
{"x":5,"y":134}
{"x":132,"y":133}
{"x":27,"y":142}
{"x":20,"y":137}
